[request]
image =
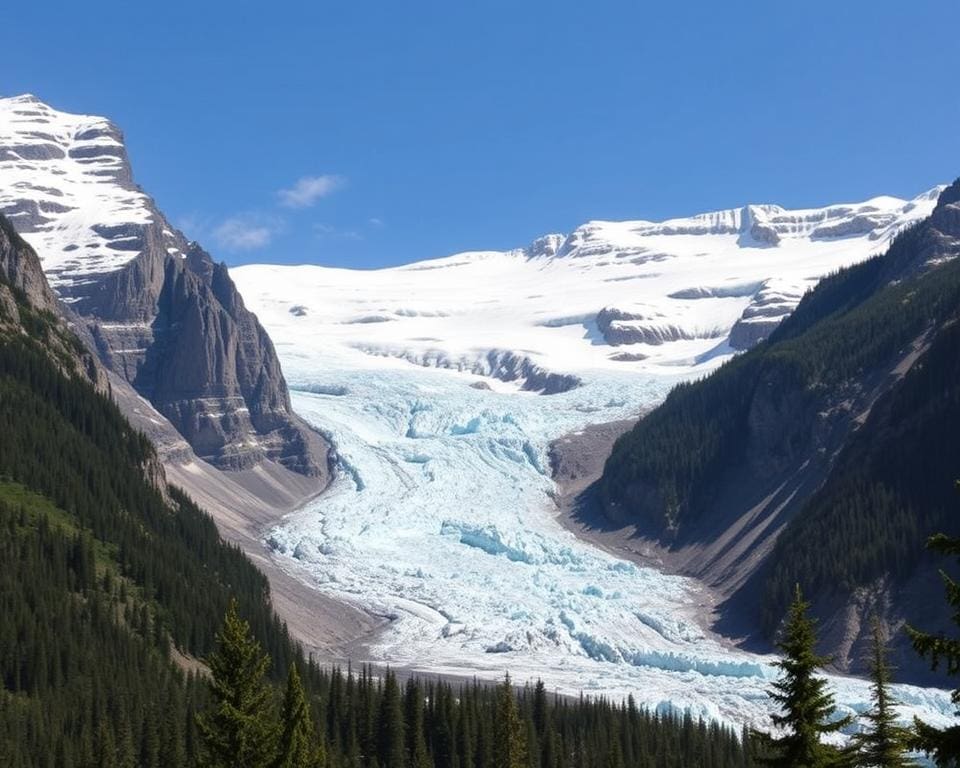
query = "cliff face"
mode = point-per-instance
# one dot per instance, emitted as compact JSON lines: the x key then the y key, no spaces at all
{"x":21,"y":268}
{"x":27,"y":305}
{"x":176,"y":328}
{"x":160,"y":312}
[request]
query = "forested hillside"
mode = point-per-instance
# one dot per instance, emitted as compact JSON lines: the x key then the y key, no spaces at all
{"x":838,"y":431}
{"x":106,"y":575}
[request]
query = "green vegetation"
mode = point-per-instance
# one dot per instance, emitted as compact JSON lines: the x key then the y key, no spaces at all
{"x":372,"y":721}
{"x":883,"y":744}
{"x":886,"y":493}
{"x":942,"y":743}
{"x":238,"y":728}
{"x":510,"y":734}
{"x":105,"y":582}
{"x":299,"y":747}
{"x":807,"y":708}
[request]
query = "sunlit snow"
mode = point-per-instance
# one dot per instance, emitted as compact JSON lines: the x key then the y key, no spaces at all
{"x":65,"y":185}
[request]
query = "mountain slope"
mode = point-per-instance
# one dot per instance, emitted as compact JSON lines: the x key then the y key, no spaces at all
{"x":832,"y":436}
{"x":162,"y":314}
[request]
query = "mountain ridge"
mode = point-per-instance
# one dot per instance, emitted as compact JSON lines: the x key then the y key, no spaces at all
{"x":622,"y":297}
{"x":730,"y":470}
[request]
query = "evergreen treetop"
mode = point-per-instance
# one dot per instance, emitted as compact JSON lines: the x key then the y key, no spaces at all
{"x":807,"y":710}
{"x":942,"y":743}
{"x":239,"y":731}
{"x":883,"y":744}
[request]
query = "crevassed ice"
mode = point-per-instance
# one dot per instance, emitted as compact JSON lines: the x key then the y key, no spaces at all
{"x":442,"y":521}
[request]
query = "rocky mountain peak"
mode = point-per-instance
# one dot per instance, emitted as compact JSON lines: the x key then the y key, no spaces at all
{"x":161,"y":313}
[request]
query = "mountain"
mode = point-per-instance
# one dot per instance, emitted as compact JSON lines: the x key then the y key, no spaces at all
{"x":621,"y":297}
{"x":824,"y":456}
{"x":162,"y":315}
{"x":444,"y":384}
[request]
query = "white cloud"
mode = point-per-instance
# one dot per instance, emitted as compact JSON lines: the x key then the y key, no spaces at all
{"x":241,"y":234}
{"x":324,"y":230}
{"x":374,"y":221}
{"x":309,"y":189}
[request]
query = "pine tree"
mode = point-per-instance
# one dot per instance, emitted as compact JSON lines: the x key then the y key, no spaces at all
{"x":240,"y":729}
{"x":392,"y":749}
{"x":884,"y":743}
{"x":419,"y":758}
{"x":298,"y":746}
{"x":808,"y":710}
{"x":942,"y":743}
{"x":510,"y":748}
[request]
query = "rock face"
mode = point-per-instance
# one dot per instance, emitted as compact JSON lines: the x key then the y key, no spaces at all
{"x":622,"y":328}
{"x":161,"y":313}
{"x":21,"y":268}
{"x":495,"y":363}
{"x":768,"y":307}
{"x":22,"y":284}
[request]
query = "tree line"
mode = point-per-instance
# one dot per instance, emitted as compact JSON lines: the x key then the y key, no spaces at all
{"x":807,"y":712}
{"x":368,"y":720}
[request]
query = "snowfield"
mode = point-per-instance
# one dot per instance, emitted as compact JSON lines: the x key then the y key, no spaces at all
{"x":442,"y":384}
{"x":65,"y":184}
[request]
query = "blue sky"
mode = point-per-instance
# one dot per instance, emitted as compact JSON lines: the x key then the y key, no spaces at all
{"x":363,"y":134}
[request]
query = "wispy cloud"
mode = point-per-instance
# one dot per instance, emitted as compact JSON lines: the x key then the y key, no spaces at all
{"x":376,"y":222}
{"x":240,"y":233}
{"x":324,"y":230}
{"x":309,"y":189}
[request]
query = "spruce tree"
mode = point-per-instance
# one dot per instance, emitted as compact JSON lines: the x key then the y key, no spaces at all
{"x":510,"y":748}
{"x":942,"y":743}
{"x":416,"y":742}
{"x":298,"y":747}
{"x":393,"y":753}
{"x":239,"y":731}
{"x":807,"y":708}
{"x":884,"y":744}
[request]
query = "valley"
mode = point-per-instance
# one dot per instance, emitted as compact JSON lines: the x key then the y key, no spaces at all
{"x":422,"y":519}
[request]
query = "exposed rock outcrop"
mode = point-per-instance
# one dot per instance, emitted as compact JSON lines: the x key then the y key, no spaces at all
{"x":621,"y":328}
{"x":770,"y":305}
{"x":22,"y":283}
{"x":496,"y":363}
{"x":21,"y":268}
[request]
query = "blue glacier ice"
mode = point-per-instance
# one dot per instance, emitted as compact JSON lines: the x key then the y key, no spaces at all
{"x":444,"y":520}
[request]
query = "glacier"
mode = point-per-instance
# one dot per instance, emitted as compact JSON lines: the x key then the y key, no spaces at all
{"x":443,"y":516}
